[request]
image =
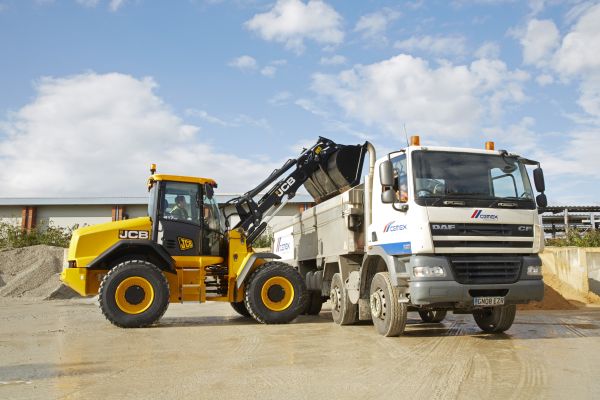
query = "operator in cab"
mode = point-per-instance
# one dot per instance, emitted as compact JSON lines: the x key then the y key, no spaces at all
{"x":180,"y":211}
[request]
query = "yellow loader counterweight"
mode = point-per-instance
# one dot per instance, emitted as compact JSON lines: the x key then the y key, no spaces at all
{"x":184,"y":251}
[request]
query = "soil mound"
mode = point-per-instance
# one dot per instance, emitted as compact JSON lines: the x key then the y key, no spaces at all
{"x":558,"y":295}
{"x":32,"y":272}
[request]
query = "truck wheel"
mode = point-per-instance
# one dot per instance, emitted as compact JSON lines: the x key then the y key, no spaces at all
{"x":275,"y":293}
{"x":342,"y":310}
{"x":240,"y":308}
{"x":433,"y":315}
{"x":314,"y":303}
{"x":389,"y":315}
{"x":134,"y":294}
{"x":495,"y":319}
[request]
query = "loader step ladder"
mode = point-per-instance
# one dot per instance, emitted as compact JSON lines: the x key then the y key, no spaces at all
{"x":191,"y":285}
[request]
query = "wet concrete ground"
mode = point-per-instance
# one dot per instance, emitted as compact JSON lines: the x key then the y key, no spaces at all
{"x":67,"y":350}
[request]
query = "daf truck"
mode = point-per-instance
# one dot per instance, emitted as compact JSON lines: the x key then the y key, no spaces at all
{"x":431,"y":229}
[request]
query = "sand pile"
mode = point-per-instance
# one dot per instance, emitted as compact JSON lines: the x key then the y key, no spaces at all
{"x":560,"y":296}
{"x":32,"y":272}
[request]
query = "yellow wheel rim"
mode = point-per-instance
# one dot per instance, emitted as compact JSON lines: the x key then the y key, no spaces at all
{"x":277,"y":293}
{"x":134,"y":295}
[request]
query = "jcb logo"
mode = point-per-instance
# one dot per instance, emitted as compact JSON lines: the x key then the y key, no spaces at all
{"x":185,"y":243}
{"x":286,"y":185}
{"x":134,"y":234}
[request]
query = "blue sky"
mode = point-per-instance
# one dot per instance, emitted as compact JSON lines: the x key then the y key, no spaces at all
{"x":92,"y":91}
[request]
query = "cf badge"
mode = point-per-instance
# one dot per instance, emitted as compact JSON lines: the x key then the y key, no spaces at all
{"x":185,"y":243}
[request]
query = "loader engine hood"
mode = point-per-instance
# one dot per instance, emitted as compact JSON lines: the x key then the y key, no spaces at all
{"x":90,"y":241}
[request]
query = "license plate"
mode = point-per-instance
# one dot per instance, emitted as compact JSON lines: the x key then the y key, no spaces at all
{"x":488,"y":301}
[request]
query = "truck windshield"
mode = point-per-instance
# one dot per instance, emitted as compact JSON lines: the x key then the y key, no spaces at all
{"x":476,"y":179}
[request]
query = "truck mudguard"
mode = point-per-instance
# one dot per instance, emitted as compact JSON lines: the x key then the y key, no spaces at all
{"x":395,"y":267}
{"x":147,"y":249}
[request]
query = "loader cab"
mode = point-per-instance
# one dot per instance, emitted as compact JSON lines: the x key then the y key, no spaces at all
{"x":186,"y":219}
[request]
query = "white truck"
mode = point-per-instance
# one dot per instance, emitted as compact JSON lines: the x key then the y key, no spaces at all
{"x":431,"y":229}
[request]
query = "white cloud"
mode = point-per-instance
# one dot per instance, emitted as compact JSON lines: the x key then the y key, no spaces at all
{"x":114,"y":5}
{"x":280,"y":99}
{"x":445,"y":102}
{"x":544,"y":79}
{"x":540,"y":39}
{"x":211,"y":119}
{"x":88,"y":3}
{"x":94,"y":134}
{"x":292,"y":21}
{"x":578,"y":52}
{"x":437,"y":45}
{"x":489,"y":50}
{"x":244,"y":63}
{"x":333,"y":60}
{"x":373,"y":26}
{"x":268,"y":71}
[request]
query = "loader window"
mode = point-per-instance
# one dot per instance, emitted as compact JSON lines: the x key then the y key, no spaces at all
{"x":214,"y":226}
{"x":180,"y":202}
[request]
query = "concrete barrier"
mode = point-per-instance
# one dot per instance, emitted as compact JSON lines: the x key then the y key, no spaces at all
{"x":579,"y":267}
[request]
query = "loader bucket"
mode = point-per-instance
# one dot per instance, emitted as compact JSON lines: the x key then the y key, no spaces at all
{"x":341,"y":171}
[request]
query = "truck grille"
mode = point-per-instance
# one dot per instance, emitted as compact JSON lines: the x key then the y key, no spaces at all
{"x":450,"y":229}
{"x":480,"y":243}
{"x":485,"y":269}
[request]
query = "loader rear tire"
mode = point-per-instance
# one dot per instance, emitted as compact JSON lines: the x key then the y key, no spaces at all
{"x":134,"y":294}
{"x":314,"y":303}
{"x":433,"y":315}
{"x":240,"y":308}
{"x":343,"y":311}
{"x":389,"y":314}
{"x":275,"y":293}
{"x":495,"y":319}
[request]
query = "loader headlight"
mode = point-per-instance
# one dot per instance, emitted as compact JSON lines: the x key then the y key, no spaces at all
{"x":534,"y":270}
{"x":428,"y":272}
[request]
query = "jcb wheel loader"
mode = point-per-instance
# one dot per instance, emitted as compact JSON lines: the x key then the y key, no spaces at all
{"x":184,"y":250}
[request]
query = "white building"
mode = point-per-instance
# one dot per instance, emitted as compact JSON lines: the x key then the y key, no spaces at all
{"x":68,"y":212}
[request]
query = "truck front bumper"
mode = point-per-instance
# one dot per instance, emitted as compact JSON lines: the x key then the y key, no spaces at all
{"x":432,"y":292}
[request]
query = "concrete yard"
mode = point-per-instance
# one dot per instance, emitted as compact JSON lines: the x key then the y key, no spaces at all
{"x":67,"y":350}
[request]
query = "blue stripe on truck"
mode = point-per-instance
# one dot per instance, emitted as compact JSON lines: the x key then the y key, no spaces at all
{"x":396,"y":248}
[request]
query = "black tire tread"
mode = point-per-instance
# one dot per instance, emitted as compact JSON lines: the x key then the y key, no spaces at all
{"x":496,"y":323}
{"x":240,"y":308}
{"x":349,"y":311}
{"x":398,"y":310}
{"x":438,"y":315}
{"x":115,"y":270}
{"x":266,"y":268}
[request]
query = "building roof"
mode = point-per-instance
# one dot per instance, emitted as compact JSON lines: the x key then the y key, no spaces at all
{"x":118,"y":200}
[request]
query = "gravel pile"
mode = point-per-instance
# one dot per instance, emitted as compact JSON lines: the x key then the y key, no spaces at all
{"x":33,"y":272}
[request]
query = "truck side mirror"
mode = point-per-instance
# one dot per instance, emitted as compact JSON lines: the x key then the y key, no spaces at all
{"x":541,"y":200}
{"x":386,"y":174}
{"x":388,"y":196}
{"x":538,"y":178}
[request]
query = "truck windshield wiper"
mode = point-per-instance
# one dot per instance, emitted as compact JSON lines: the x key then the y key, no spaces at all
{"x":499,"y":201}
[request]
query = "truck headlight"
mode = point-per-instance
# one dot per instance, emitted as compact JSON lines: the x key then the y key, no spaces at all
{"x":428,"y":272}
{"x":534,"y":270}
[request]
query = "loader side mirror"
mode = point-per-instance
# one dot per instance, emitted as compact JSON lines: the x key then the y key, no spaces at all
{"x":386,"y":173}
{"x":388,"y":196}
{"x":538,"y":178}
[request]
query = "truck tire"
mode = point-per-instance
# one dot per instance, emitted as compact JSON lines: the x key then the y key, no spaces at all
{"x":134,"y":294}
{"x":495,"y":319}
{"x":389,"y":314}
{"x":314,"y":303}
{"x":433,"y":315}
{"x":240,"y":308}
{"x":342,"y":310}
{"x":275,"y":293}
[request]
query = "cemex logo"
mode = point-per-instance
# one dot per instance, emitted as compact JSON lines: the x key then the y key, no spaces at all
{"x":478,"y":214}
{"x":390,"y":227}
{"x":281,"y":246}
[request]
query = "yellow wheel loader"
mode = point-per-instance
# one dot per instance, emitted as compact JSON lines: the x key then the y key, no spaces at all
{"x":184,"y":250}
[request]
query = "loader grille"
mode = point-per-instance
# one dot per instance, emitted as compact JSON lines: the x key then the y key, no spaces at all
{"x":485,"y":269}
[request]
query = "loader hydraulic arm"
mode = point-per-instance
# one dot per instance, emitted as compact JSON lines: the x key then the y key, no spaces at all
{"x":312,"y":163}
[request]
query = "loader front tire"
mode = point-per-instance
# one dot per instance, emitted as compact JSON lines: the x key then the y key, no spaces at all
{"x":275,"y":293}
{"x":240,"y":308}
{"x":134,"y":294}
